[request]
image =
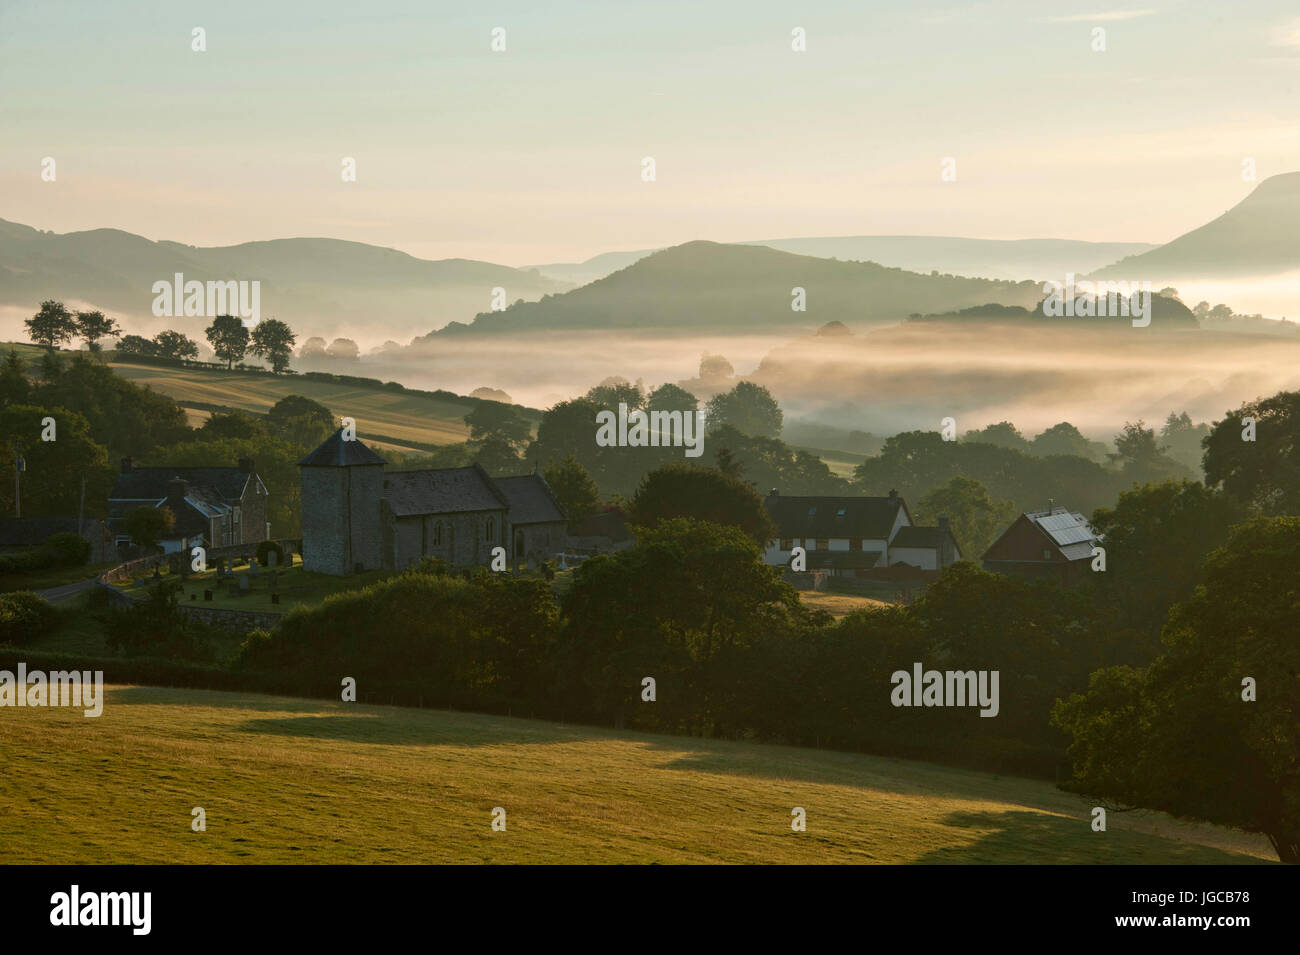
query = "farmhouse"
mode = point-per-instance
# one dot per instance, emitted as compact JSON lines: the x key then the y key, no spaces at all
{"x":855,"y":536}
{"x":212,"y":506}
{"x":357,"y":517}
{"x":1053,"y":544}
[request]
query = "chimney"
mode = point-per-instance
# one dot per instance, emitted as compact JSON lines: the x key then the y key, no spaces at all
{"x":893,"y":494}
{"x":943,"y":522}
{"x":126,"y":465}
{"x":246,"y":465}
{"x":774,"y":493}
{"x":177,"y":488}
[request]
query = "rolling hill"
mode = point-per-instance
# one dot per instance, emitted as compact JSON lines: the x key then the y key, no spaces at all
{"x":980,"y":258}
{"x":324,"y":287}
{"x":1256,"y":237}
{"x":306,"y":781}
{"x":710,"y":288}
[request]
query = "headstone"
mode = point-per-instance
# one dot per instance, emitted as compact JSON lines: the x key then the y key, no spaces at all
{"x":275,"y":598}
{"x":194,"y":596}
{"x":252,"y":567}
{"x":245,"y":584}
{"x":139,"y":581}
{"x":207,"y":595}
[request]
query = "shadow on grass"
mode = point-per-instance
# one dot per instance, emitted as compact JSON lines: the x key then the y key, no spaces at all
{"x":1016,"y":837}
{"x":446,"y":729}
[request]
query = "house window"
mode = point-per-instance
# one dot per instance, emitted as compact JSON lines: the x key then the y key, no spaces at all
{"x":787,"y":543}
{"x":823,"y":543}
{"x":1047,"y":555}
{"x":437,"y":533}
{"x":491,"y":529}
{"x":855,"y":543}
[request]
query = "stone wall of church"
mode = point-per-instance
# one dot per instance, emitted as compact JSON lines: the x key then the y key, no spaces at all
{"x":459,"y":539}
{"x":340,"y":518}
{"x":540,"y":542}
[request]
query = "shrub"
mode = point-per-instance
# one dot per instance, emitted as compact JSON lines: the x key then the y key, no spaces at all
{"x":72,"y":549}
{"x":157,"y":627}
{"x":24,"y":617}
{"x":266,"y":548}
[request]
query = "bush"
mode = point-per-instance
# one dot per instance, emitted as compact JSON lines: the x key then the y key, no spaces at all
{"x":72,"y":549}
{"x":157,"y":627}
{"x":24,"y":617}
{"x":265,"y":549}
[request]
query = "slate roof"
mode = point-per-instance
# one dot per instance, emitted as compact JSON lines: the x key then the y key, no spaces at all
{"x":334,"y":452}
{"x":916,"y":536}
{"x":150,"y":484}
{"x":442,"y":491}
{"x":827,"y":517}
{"x":531,"y":501}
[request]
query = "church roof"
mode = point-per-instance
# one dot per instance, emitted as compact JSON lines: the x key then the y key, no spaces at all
{"x":337,"y":453}
{"x":531,"y":501}
{"x":442,"y":491}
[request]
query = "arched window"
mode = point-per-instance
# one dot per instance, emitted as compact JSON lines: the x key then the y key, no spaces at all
{"x":437,"y":533}
{"x":491,"y":528}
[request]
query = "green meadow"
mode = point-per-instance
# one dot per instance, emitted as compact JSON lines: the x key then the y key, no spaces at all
{"x":287,"y":780}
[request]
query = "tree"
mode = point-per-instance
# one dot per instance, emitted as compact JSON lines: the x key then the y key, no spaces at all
{"x":148,"y":525}
{"x":1065,"y":438}
{"x":312,"y":348}
{"x":974,"y":518}
{"x":1002,"y":435}
{"x":273,"y":340}
{"x":228,"y":338}
{"x":1142,"y":458}
{"x":344,"y":348}
{"x":139,"y":345}
{"x":1264,"y":473}
{"x":615,"y":390}
{"x":1210,"y":730}
{"x":574,"y":489}
{"x":230,"y":424}
{"x":300,"y":419}
{"x":1183,"y":439}
{"x":679,"y":490}
{"x":15,"y":389}
{"x":92,"y":326}
{"x":749,"y":408}
{"x":1156,"y":537}
{"x":669,"y":397}
{"x":172,"y":344}
{"x":491,"y":419}
{"x":52,"y":325}
{"x":51,"y":484}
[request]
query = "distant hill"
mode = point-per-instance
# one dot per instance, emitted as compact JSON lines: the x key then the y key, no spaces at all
{"x":980,"y":258}
{"x":711,"y":288}
{"x":324,"y":287}
{"x":1166,"y":314}
{"x":1257,"y":236}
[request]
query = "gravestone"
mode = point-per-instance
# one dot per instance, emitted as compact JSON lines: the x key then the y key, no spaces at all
{"x":207,"y":595}
{"x":245,"y":584}
{"x":252,"y":567}
{"x":275,"y":598}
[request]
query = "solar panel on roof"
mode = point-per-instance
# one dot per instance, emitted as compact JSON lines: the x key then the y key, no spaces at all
{"x":1066,"y":528}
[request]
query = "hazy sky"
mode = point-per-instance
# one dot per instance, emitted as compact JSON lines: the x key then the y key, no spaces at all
{"x":534,"y":155}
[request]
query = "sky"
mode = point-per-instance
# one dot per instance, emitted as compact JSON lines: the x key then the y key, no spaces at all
{"x":534,"y":155}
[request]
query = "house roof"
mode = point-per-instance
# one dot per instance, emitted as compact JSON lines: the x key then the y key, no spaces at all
{"x":827,"y":517}
{"x":1065,"y":532}
{"x":442,"y":491}
{"x":530,"y":499}
{"x":926,"y":537}
{"x":334,"y":452}
{"x":150,"y":484}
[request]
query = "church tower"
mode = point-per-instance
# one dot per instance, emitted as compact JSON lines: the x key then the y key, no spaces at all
{"x":342,"y":485}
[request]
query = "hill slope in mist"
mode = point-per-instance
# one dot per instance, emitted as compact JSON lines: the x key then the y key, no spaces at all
{"x":325,"y":287}
{"x":710,"y":288}
{"x":1257,"y":236}
{"x":979,"y":258}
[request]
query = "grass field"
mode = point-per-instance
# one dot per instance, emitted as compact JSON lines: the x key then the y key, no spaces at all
{"x":394,"y":414}
{"x":838,"y":605}
{"x":285,"y":780}
{"x":53,"y":577}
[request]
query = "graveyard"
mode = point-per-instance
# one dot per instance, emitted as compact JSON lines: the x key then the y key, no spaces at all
{"x":242,"y":584}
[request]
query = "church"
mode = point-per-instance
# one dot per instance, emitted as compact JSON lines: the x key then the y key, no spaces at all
{"x":356,"y":516}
